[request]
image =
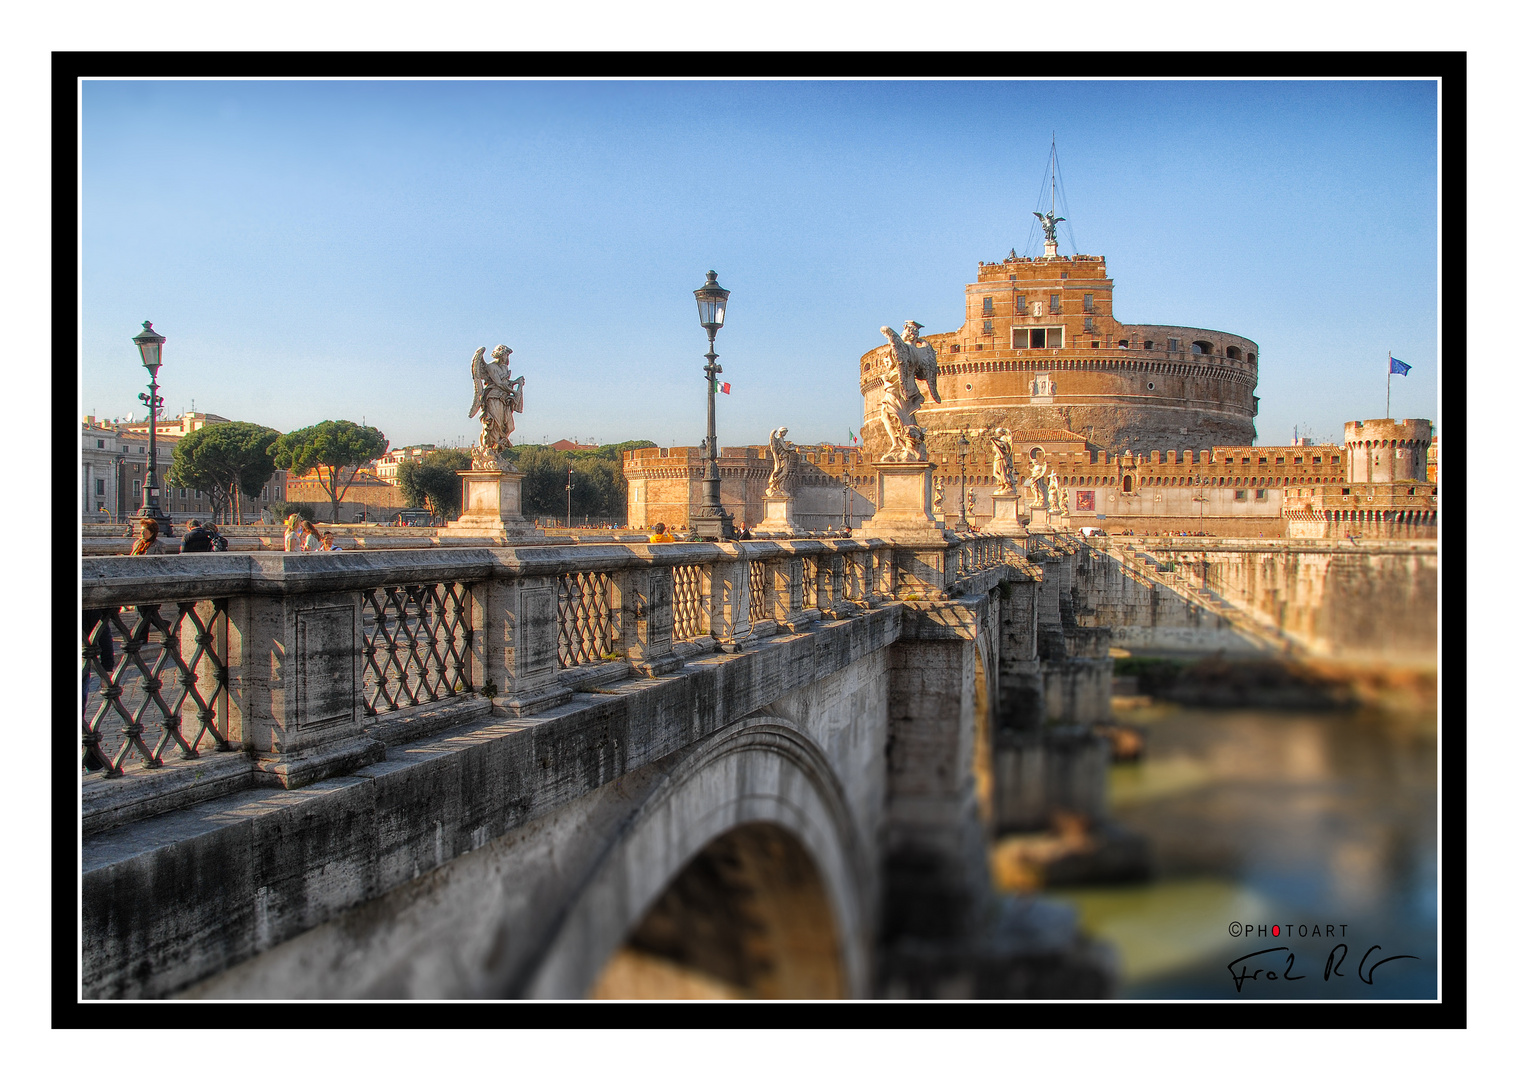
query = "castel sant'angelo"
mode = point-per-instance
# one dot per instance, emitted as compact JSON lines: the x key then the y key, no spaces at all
{"x":1147,"y":427}
{"x":1041,"y":351}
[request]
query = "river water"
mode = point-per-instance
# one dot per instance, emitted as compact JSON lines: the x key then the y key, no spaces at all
{"x":1276,"y":819}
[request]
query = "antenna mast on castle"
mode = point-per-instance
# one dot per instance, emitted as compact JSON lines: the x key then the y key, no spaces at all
{"x":1055,"y":179}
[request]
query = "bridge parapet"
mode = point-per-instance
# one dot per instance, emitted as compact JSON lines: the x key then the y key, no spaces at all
{"x":300,"y":667}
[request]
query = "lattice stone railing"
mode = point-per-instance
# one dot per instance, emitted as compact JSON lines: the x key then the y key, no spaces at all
{"x":692,"y":619}
{"x":144,"y":668}
{"x":302,"y":664}
{"x":416,"y":644}
{"x":587,"y":620}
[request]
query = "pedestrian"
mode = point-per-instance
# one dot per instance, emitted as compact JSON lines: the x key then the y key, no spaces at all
{"x":147,"y":539}
{"x":743,"y":533}
{"x":328,"y":543}
{"x":196,"y":538}
{"x":310,"y":538}
{"x":292,"y":533}
{"x":660,"y":536}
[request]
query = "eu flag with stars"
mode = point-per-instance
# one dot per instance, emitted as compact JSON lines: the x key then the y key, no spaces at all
{"x":1398,"y":367}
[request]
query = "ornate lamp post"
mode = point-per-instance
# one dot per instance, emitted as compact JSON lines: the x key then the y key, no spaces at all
{"x":964,"y":451}
{"x":710,"y":521}
{"x":569,"y":499}
{"x":150,"y":345}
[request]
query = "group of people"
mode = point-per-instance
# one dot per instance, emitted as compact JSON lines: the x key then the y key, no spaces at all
{"x":300,"y":536}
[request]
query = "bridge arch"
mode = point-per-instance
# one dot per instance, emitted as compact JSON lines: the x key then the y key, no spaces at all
{"x":758,"y":800}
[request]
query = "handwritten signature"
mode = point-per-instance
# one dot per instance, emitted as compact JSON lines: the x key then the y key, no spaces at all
{"x":1332,"y":969}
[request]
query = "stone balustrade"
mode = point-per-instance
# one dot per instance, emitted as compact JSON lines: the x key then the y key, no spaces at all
{"x":211,"y":672}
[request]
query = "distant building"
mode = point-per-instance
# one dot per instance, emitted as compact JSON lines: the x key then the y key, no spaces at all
{"x":387,"y":467}
{"x":664,"y":484}
{"x":369,"y":498}
{"x":564,"y":445}
{"x":114,"y":465}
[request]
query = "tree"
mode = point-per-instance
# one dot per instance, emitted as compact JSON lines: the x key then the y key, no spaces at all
{"x":434,"y":481}
{"x":334,"y":449}
{"x":224,"y":461}
{"x":599,"y":491}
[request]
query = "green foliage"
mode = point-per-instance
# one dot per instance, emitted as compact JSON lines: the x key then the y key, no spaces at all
{"x":225,"y":461}
{"x":434,"y":481}
{"x":334,"y":449}
{"x":282,"y":510}
{"x":599,"y":487}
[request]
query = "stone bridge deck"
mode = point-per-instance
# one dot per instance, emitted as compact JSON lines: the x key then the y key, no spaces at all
{"x":525,"y":772}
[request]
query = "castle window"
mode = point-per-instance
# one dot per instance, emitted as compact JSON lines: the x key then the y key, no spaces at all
{"x":1090,"y":303}
{"x":1334,"y":459}
{"x":1039,"y":338}
{"x":985,"y":327}
{"x":1090,"y":326}
{"x":985,"y":306}
{"x":953,"y":348}
{"x":1096,"y":344}
{"x":1251,"y":357}
{"x":1148,"y":344}
{"x":1151,"y":386}
{"x":1259,"y":493}
{"x":100,"y":443}
{"x":1064,"y":274}
{"x":1054,"y":303}
{"x":1174,"y":345}
{"x":100,"y":487}
{"x":1232,"y":352}
{"x":1239,"y":495}
{"x":1344,"y":491}
{"x":1022,"y":305}
{"x":1201,"y":348}
{"x":1317,"y":460}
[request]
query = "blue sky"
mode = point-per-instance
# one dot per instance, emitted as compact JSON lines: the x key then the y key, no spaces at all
{"x":318,"y":250}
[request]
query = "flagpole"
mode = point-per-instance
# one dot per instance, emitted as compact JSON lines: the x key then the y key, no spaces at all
{"x":1388,"y":383}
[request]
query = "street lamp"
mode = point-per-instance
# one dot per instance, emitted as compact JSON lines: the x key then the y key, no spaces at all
{"x":150,"y":345}
{"x":569,"y":499}
{"x":710,"y":521}
{"x":964,"y":451}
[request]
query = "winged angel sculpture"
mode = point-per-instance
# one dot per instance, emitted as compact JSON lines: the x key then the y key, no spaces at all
{"x":496,"y":396}
{"x":1048,"y":221}
{"x":912,"y":359}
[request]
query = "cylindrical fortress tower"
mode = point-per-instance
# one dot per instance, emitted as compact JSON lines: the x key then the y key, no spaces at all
{"x":1386,"y":451}
{"x":1040,"y":350}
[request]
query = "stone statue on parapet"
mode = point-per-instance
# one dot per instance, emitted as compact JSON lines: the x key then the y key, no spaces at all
{"x":1058,"y":498}
{"x":912,"y":359}
{"x":783,"y":469}
{"x":1003,"y":469}
{"x":496,"y":397}
{"x":1048,"y":221}
{"x":1038,"y":481}
{"x":938,"y":497}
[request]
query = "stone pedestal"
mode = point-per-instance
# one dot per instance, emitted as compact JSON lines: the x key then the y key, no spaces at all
{"x":492,"y":508}
{"x":779,"y":517}
{"x":1004,"y":519}
{"x":1048,"y":521}
{"x":906,"y":504}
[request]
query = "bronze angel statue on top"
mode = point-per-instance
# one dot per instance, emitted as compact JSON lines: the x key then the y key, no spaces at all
{"x":1048,"y":221}
{"x":496,"y":396}
{"x":912,"y":359}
